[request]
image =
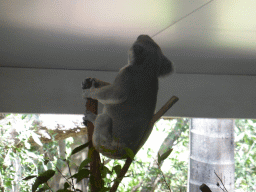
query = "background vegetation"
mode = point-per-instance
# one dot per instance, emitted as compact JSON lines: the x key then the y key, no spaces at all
{"x":21,"y":145}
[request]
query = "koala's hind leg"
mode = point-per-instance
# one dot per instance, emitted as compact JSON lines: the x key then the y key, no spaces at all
{"x":102,"y":135}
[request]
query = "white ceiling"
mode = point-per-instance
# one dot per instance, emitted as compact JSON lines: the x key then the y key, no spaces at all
{"x":199,"y":36}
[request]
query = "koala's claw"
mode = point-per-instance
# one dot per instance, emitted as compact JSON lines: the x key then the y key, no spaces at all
{"x":89,"y":116}
{"x":85,"y":121}
{"x":93,"y":83}
{"x":89,"y":82}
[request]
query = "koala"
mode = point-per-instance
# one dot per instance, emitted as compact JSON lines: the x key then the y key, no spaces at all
{"x":129,"y":102}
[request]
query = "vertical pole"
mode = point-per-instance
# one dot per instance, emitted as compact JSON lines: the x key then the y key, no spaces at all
{"x":96,"y":181}
{"x":211,"y":150}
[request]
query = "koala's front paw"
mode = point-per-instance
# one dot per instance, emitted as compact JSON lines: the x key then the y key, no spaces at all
{"x":89,"y":83}
{"x":85,"y":121}
{"x":89,"y":116}
{"x":86,"y":93}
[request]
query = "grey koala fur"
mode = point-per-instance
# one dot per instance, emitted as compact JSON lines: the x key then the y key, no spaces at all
{"x":129,"y":103}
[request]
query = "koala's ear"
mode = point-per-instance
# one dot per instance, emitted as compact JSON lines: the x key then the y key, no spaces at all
{"x":166,"y":67}
{"x":138,"y":50}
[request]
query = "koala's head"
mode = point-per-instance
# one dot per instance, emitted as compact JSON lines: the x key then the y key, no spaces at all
{"x":147,"y":55}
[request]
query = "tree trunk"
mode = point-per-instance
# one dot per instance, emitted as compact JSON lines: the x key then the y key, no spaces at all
{"x":211,"y":150}
{"x":17,"y":167}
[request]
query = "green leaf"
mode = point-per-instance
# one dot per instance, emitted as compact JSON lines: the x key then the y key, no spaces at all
{"x":8,"y":184}
{"x":84,"y":173}
{"x":104,"y":171}
{"x":117,"y":169}
{"x":30,"y":154}
{"x":36,"y":185}
{"x":165,"y":155}
{"x":129,"y":152}
{"x":84,"y":163}
{"x":29,"y":177}
{"x":45,"y":176}
{"x":80,"y":148}
{"x":27,"y":145}
{"x":42,"y":178}
{"x":36,"y":138}
{"x":46,"y":161}
{"x":158,"y":158}
{"x":66,"y":185}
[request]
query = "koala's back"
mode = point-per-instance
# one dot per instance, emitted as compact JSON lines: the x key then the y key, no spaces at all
{"x":130,"y":119}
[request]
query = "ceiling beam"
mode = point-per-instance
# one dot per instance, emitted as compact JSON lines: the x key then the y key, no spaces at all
{"x":59,"y":91}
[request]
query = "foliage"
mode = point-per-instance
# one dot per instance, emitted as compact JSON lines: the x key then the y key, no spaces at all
{"x":15,"y":132}
{"x":175,"y":167}
{"x":109,"y":171}
{"x":245,"y":154}
{"x":173,"y":171}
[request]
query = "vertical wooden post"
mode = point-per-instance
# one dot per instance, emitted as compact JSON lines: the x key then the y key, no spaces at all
{"x":96,"y":181}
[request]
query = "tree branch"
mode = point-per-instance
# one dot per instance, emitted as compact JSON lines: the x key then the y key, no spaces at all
{"x":128,"y":161}
{"x":96,"y":181}
{"x":164,"y":109}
